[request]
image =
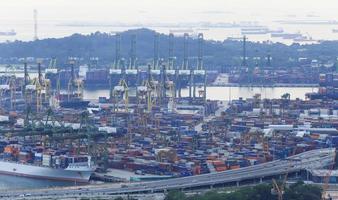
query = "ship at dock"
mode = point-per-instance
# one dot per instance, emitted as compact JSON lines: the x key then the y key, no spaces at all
{"x":72,"y":101}
{"x":20,"y":162}
{"x":328,"y":87}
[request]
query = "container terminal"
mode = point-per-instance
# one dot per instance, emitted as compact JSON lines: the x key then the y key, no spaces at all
{"x":146,"y":127}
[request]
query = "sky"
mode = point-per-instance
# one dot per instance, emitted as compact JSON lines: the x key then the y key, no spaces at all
{"x":168,"y":11}
{"x":18,"y":15}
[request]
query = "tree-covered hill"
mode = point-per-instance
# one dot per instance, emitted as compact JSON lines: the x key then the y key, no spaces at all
{"x":216,"y":53}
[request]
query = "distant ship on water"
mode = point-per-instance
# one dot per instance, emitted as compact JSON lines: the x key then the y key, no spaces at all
{"x":254,"y":31}
{"x":8,"y":33}
{"x":287,"y":35}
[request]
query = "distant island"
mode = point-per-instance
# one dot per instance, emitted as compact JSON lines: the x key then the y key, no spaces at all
{"x":217,"y":54}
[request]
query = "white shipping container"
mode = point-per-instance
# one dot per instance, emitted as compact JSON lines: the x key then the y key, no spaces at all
{"x":46,"y":160}
{"x":335,"y":112}
{"x":45,"y":163}
{"x":324,"y":111}
{"x":57,"y":160}
{"x":38,"y":155}
{"x":4,"y":118}
{"x":148,"y":139}
{"x":258,"y":146}
{"x":189,"y":164}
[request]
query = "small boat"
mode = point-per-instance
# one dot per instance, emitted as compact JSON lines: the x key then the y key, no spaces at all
{"x":8,"y":33}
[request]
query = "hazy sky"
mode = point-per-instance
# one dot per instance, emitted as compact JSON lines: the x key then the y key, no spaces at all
{"x":18,"y":15}
{"x":165,"y":10}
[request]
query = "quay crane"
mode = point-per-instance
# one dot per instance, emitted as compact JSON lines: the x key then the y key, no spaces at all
{"x":43,"y":86}
{"x":116,"y":64}
{"x":120,"y":91}
{"x":74,"y":96}
{"x":8,"y":87}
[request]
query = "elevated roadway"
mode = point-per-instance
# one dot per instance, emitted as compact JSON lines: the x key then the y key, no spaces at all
{"x":314,"y":159}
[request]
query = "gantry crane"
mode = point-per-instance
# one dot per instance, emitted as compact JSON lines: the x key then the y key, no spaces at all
{"x":151,"y":88}
{"x":38,"y":94}
{"x":52,"y":68}
{"x":9,"y":88}
{"x":10,"y":85}
{"x":40,"y":85}
{"x":71,"y":82}
{"x":141,"y":94}
{"x":26,"y":79}
{"x":171,"y":102}
{"x":75,"y":85}
{"x":327,"y":179}
{"x":279,"y":189}
{"x":156,"y":51}
{"x":80,"y":88}
{"x":121,"y":91}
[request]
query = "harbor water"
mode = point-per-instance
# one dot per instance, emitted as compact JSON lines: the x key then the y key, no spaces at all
{"x":227,"y":93}
{"x":14,"y":182}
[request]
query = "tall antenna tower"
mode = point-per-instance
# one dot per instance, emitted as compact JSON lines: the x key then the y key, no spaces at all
{"x":185,"y":51}
{"x":200,"y":52}
{"x":132,"y":64}
{"x":35,"y":24}
{"x":171,"y":51}
{"x":156,"y":54}
{"x":244,"y":51}
{"x":117,"y":50}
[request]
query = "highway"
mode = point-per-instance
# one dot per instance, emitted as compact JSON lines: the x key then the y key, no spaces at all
{"x":314,"y":159}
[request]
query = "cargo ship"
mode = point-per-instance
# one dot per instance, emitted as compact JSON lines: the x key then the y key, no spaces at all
{"x":287,"y":35}
{"x":97,"y":78}
{"x":328,"y":89}
{"x":72,"y":101}
{"x":62,"y":76}
{"x":23,"y":161}
{"x":75,"y":172}
{"x":323,"y":96}
{"x":254,"y":31}
{"x":52,"y":75}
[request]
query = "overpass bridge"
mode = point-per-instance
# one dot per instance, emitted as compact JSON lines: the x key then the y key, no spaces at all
{"x":314,"y":159}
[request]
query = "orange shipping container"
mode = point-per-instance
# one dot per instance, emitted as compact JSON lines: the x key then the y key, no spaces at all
{"x":11,"y":149}
{"x":218,"y":162}
{"x":235,"y":167}
{"x":8,"y":149}
{"x":220,"y":169}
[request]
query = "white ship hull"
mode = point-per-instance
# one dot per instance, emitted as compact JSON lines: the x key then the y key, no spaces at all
{"x":32,"y":171}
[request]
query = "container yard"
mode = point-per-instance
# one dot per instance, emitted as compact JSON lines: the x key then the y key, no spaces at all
{"x":146,"y":130}
{"x":168,"y":100}
{"x":157,"y":135}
